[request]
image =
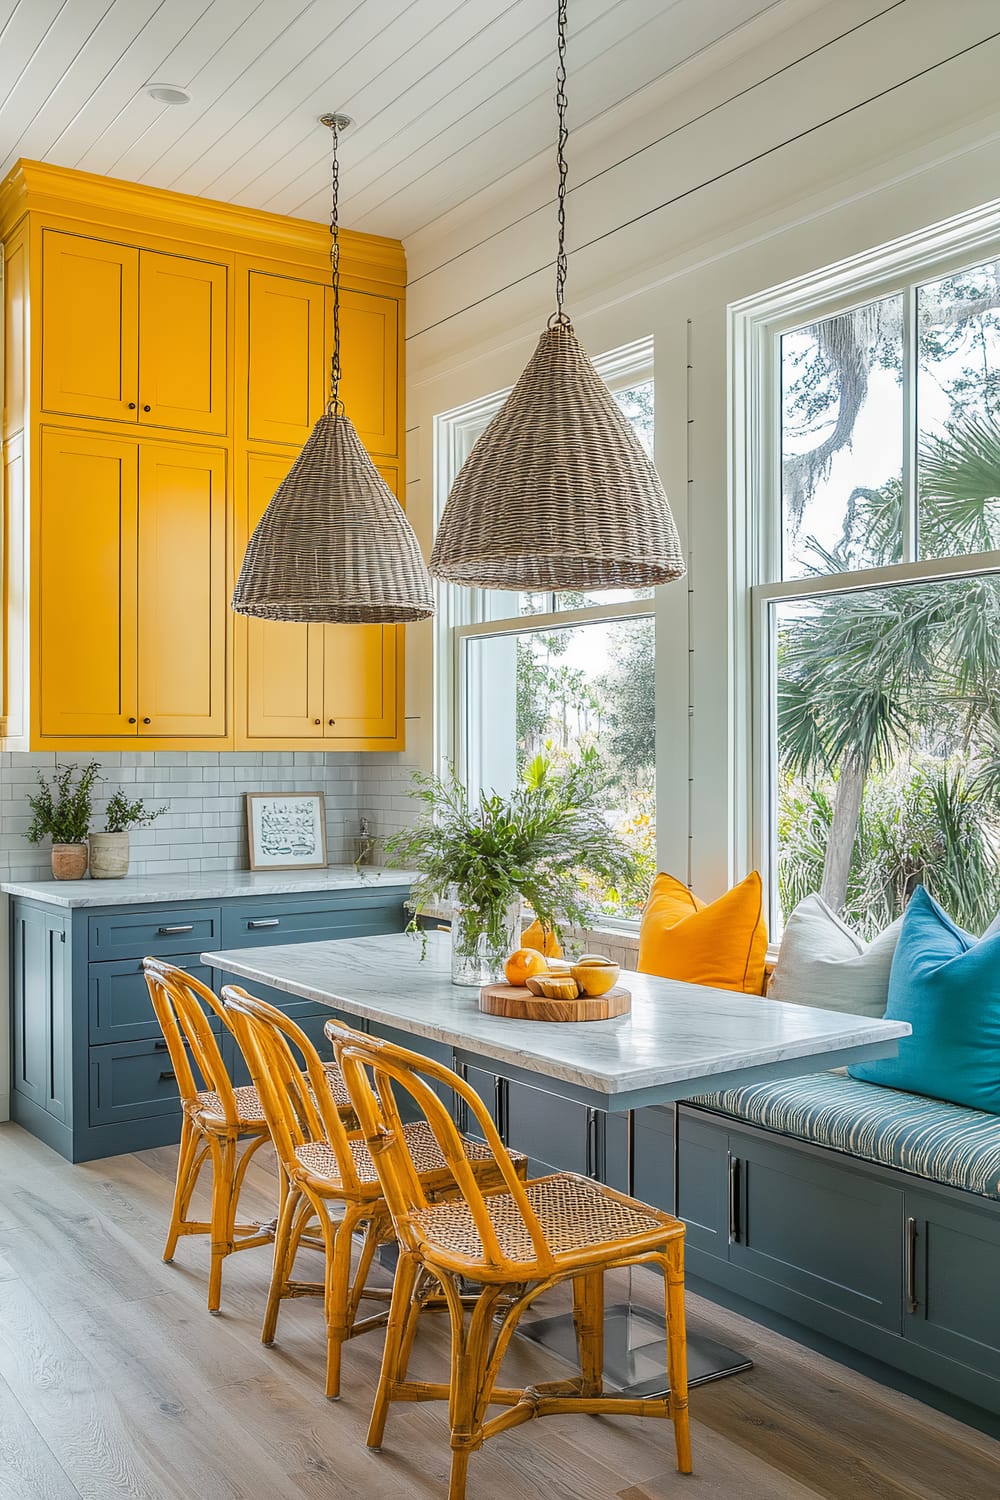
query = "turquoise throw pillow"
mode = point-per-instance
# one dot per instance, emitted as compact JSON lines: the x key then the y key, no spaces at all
{"x":946,"y":983}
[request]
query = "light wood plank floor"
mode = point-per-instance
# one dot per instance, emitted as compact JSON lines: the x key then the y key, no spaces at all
{"x":115,"y":1382}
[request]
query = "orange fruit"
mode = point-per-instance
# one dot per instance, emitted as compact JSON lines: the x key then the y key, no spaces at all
{"x":523,"y":964}
{"x":542,"y":938}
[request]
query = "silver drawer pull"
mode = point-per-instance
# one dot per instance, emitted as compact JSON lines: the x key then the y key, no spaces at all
{"x":265,"y":922}
{"x":170,"y":931}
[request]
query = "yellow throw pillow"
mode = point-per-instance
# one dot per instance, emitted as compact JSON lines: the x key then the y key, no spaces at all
{"x":543,"y":940}
{"x":722,"y":944}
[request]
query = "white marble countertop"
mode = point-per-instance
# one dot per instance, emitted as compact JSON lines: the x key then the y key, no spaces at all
{"x":136,"y":889}
{"x":678,"y":1040}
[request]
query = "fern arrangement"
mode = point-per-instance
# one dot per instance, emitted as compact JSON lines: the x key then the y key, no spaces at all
{"x":534,"y":844}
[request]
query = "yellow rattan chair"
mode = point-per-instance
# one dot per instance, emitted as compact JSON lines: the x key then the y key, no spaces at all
{"x":327,"y":1164}
{"x":216,"y":1117}
{"x":516,"y":1240}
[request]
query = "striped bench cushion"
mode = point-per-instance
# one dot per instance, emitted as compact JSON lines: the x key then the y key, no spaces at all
{"x":944,"y":1142}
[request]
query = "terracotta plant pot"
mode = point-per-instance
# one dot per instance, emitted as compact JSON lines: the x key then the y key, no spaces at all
{"x":69,"y":861}
{"x":109,"y":855}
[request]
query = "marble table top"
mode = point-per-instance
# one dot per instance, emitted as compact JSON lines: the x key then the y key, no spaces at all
{"x":679,"y":1039}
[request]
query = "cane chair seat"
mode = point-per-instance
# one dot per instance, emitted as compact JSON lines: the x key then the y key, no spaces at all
{"x":575,"y":1214}
{"x":250,"y":1111}
{"x":319,"y":1160}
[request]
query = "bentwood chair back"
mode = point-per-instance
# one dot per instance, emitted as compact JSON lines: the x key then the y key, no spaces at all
{"x":318,"y":1159}
{"x":515,"y":1240}
{"x":215,"y":1118}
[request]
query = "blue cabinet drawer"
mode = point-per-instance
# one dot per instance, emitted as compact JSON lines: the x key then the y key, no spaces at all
{"x":157,"y":934}
{"x":119,"y":1003}
{"x":131,"y":1081}
{"x":249,"y":926}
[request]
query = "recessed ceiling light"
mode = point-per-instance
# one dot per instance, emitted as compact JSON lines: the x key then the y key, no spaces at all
{"x":168,"y":93}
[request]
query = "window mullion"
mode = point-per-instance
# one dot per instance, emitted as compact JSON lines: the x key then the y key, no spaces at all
{"x":910,"y":519}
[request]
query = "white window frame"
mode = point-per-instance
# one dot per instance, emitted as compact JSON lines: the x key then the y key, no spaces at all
{"x":756,"y":326}
{"x":464,"y":614}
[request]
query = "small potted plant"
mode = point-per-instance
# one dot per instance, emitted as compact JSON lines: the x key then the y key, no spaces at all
{"x":62,"y":812}
{"x":109,"y":851}
{"x":485,"y":856}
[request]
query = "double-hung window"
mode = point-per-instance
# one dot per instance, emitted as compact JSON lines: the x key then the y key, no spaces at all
{"x":528,"y":674}
{"x":873,"y":548}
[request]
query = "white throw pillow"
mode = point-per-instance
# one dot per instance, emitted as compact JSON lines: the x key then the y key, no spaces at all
{"x":822,"y":962}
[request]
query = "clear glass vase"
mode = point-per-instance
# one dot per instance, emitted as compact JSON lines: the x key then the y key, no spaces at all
{"x":481,"y":942}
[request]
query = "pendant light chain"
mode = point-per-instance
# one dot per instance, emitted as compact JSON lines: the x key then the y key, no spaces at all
{"x":563,"y":137}
{"x":334,"y":401}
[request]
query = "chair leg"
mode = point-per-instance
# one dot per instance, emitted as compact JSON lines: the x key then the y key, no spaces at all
{"x":673,"y":1270}
{"x":187,"y":1173}
{"x":469,"y":1395}
{"x":398,"y":1340}
{"x":338,"y":1280}
{"x":588,"y":1318}
{"x":285,"y":1245}
{"x":223,"y":1214}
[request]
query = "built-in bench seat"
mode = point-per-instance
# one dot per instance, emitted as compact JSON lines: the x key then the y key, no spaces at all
{"x":941,"y":1142}
{"x":866,"y":1218}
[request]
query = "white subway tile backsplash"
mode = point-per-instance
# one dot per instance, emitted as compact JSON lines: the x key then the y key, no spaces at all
{"x":205,"y":824}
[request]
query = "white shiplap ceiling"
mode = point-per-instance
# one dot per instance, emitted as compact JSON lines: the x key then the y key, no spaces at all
{"x":448,"y":95}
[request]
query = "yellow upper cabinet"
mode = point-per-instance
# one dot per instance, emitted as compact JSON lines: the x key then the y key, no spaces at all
{"x":369,"y":341}
{"x":182,"y":343}
{"x":90,"y":327}
{"x":165,"y":357}
{"x":287,"y":359}
{"x":183,"y":598}
{"x":87,"y":515}
{"x":290,"y":335}
{"x":133,"y":335}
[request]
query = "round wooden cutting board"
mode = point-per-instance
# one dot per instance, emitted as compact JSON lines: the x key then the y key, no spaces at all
{"x":519,"y":1004}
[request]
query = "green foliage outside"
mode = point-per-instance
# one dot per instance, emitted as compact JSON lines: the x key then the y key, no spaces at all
{"x":889,"y":699}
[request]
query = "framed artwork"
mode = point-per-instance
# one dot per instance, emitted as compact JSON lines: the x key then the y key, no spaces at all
{"x":287,"y":830}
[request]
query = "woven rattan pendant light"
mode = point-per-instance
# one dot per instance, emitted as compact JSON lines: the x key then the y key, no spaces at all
{"x":558,"y":493}
{"x":334,"y":544}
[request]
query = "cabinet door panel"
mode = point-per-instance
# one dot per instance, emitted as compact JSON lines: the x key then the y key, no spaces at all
{"x":87,"y":585}
{"x":287,"y":357}
{"x":368,"y":339}
{"x":182,"y":343}
{"x":553,"y":1133}
{"x":359,"y":676}
{"x":819,"y":1229}
{"x":90,"y":338}
{"x":703,"y":1181}
{"x":955,"y":1258}
{"x":284,"y":666}
{"x":182,"y":591}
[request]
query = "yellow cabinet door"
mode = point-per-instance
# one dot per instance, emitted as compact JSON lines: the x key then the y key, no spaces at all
{"x":288,"y":363}
{"x":284,"y":660}
{"x":182,"y":343}
{"x":369,"y":356}
{"x":86,"y":586}
{"x":90,"y":327}
{"x":182,"y":598}
{"x":360,"y":682}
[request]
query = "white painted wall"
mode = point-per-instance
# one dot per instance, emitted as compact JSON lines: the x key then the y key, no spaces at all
{"x":847,"y":125}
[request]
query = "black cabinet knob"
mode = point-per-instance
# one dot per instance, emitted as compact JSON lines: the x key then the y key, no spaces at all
{"x":147,"y":408}
{"x":147,"y":721}
{"x":317,"y":721}
{"x":131,"y":406}
{"x":132,"y":721}
{"x":331,"y":722}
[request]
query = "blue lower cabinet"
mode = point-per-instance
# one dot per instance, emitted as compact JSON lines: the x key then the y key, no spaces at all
{"x":90,"y":1072}
{"x":556,"y":1135}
